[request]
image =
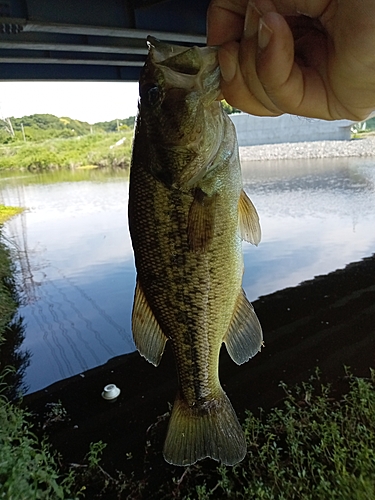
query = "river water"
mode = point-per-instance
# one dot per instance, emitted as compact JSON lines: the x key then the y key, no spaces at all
{"x":76,"y":264}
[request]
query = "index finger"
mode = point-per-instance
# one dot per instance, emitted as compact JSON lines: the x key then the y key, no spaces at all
{"x":225,"y":18}
{"x":225,"y":21}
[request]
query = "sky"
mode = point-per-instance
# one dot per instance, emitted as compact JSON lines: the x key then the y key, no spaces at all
{"x":85,"y":101}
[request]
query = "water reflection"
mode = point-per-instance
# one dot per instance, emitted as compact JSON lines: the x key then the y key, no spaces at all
{"x":76,"y":260}
{"x":316,"y":216}
{"x":13,"y":361}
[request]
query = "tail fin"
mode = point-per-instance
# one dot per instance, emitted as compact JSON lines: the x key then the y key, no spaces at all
{"x":208,"y":430}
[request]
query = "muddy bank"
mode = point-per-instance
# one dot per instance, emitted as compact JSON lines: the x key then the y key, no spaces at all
{"x":327,"y":322}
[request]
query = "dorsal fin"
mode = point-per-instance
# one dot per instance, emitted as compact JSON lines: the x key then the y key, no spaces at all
{"x":148,"y":336}
{"x":248,"y":220}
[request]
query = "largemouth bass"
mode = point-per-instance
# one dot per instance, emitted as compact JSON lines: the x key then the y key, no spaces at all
{"x":188,"y":215}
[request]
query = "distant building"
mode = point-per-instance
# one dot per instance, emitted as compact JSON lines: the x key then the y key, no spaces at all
{"x":254,"y":130}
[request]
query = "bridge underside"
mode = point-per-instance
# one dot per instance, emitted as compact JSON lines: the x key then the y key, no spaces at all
{"x":90,"y":39}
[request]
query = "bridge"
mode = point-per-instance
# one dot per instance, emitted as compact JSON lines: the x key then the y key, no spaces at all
{"x":101,"y":40}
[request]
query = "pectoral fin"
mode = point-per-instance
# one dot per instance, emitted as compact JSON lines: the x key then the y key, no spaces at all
{"x":244,"y":337}
{"x":248,"y":220}
{"x":201,"y":221}
{"x":148,"y":337}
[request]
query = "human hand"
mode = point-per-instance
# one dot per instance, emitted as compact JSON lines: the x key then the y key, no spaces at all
{"x":313,"y":59}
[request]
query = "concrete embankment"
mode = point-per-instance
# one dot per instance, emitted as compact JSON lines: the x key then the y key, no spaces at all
{"x":306,"y":150}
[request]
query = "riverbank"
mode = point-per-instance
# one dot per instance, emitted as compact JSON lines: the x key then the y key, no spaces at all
{"x":114,"y":150}
{"x":7,"y":212}
{"x":326,"y":322}
{"x":98,"y":149}
{"x":363,"y":147}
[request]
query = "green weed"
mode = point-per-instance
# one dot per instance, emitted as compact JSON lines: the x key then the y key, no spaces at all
{"x":98,"y":149}
{"x":7,"y":212}
{"x":312,"y":447}
{"x":28,"y":468}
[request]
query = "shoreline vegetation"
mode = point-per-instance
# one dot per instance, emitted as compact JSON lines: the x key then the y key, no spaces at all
{"x":46,"y":142}
{"x":311,"y":446}
{"x":96,"y":150}
{"x":7,"y":212}
{"x":102,"y":150}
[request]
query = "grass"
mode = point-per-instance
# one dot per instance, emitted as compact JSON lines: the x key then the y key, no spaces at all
{"x":313,"y":447}
{"x":28,"y":468}
{"x":94,"y":149}
{"x":7,"y":213}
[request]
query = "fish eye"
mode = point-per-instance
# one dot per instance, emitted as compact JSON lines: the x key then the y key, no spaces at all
{"x":150,"y":94}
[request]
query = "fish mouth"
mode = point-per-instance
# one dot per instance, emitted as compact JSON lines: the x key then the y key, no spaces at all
{"x":187,"y":67}
{"x":179,"y":58}
{"x":180,"y":85}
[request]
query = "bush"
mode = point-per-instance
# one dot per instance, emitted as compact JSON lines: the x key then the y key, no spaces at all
{"x":28,"y":468}
{"x":92,"y":149}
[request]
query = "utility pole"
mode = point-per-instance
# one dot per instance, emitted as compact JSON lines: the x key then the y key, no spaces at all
{"x":8,"y":126}
{"x":7,"y":123}
{"x":23,"y":132}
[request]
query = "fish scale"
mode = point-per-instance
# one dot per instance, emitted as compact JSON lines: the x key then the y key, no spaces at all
{"x":188,"y":215}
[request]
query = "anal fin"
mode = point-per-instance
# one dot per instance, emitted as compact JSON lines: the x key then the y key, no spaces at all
{"x":244,"y":337}
{"x":148,"y":336}
{"x":248,"y":220}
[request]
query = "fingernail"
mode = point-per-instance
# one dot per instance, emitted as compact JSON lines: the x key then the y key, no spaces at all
{"x":228,"y":65}
{"x":251,"y":23}
{"x":264,"y":34}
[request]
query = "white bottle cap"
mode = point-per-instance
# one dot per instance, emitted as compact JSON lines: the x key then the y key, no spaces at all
{"x":110,"y":392}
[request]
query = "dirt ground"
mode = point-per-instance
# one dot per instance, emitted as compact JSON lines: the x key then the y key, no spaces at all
{"x":328,"y":322}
